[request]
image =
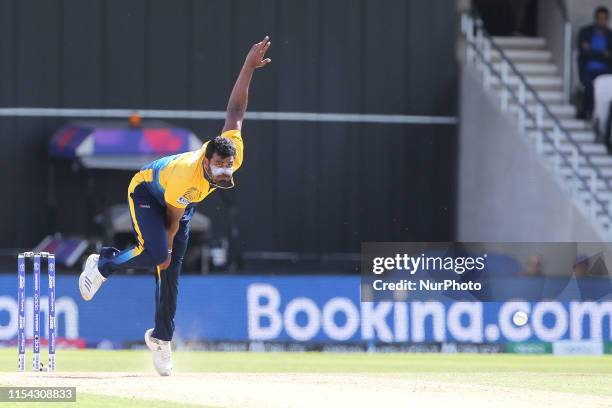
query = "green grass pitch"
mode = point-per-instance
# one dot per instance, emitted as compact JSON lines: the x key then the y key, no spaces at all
{"x":579,"y":375}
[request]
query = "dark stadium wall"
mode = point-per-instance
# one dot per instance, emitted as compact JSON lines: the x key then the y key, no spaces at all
{"x":313,"y":187}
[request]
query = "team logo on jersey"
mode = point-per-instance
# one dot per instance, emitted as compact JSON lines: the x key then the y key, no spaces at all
{"x":190,"y":196}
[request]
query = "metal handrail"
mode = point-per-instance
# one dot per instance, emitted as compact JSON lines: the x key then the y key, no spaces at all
{"x":563,"y":8}
{"x":542,"y":106}
{"x":567,"y":48}
{"x":537,"y":98}
{"x":533,"y":117}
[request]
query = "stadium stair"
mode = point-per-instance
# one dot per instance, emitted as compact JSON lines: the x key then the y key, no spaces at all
{"x":533,"y":60}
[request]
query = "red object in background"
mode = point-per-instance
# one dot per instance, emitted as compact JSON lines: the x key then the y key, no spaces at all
{"x":135,"y":120}
{"x":60,"y":342}
{"x":163,"y":140}
{"x":66,"y":137}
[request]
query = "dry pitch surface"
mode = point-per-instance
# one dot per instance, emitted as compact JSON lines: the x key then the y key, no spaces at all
{"x":303,"y":380}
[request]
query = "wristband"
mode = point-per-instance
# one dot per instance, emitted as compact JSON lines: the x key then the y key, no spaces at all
{"x":169,"y":251}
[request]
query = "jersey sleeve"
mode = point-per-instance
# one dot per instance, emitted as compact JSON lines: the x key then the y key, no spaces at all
{"x":236,"y":137}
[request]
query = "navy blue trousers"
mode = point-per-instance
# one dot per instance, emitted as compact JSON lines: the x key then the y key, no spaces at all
{"x":150,"y":250}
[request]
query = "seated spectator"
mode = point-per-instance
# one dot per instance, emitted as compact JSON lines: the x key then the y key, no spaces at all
{"x":533,"y":266}
{"x":590,"y":267}
{"x":581,"y":266}
{"x":595,"y":56}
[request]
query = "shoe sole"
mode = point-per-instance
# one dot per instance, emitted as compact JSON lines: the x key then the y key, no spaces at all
{"x":146,"y":338}
{"x":82,"y":283}
{"x":84,"y":294}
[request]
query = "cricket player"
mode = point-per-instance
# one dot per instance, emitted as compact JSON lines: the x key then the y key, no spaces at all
{"x":162,"y":197}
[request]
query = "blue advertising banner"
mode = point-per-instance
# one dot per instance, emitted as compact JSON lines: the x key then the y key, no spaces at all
{"x":318,"y":309}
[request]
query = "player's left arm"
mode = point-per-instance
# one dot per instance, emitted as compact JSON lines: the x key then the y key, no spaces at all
{"x":238,"y":100}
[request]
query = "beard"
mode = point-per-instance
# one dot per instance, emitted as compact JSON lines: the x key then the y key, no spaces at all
{"x":219,"y":177}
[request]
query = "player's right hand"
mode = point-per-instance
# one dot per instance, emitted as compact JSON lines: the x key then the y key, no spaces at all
{"x":255,"y":58}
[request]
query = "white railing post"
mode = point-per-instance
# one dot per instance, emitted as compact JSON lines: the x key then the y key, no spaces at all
{"x":567,"y":61}
{"x":558,"y":154}
{"x":504,"y":84}
{"x":486,"y":71}
{"x":609,"y":218}
{"x":479,"y":41}
{"x":539,"y":116}
{"x":540,"y":141}
{"x":592,"y":202}
{"x":592,"y":209}
{"x":557,"y":137}
{"x":575,"y":160}
{"x":469,"y":36}
{"x":521,"y":106}
{"x":575,"y":157}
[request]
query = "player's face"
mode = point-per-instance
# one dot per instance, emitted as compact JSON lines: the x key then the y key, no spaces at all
{"x":220,"y":169}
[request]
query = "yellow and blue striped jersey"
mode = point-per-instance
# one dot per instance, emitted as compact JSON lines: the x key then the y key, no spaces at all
{"x":179,"y":180}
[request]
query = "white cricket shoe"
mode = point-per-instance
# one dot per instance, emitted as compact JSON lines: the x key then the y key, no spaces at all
{"x":91,"y":279}
{"x":162,"y":353}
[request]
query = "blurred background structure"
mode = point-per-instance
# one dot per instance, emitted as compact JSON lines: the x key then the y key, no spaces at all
{"x":552,"y":172}
{"x":307,"y":187}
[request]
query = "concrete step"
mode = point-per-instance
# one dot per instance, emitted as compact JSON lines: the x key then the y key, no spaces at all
{"x":578,"y":137}
{"x":561,"y":111}
{"x":573,"y":125}
{"x":601,"y":206}
{"x":604,"y":220}
{"x":536,"y":82}
{"x":545,"y":81}
{"x":532,"y":68}
{"x":602,"y":215}
{"x":601,"y":161}
{"x":547,"y":96}
{"x":602,"y":184}
{"x":592,"y":149}
{"x":605,"y":172}
{"x":519,"y":56}
{"x":598,"y":160}
{"x":584,"y":195}
{"x":583,"y":135}
{"x":520,"y":42}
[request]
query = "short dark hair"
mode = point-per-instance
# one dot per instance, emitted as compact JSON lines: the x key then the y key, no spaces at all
{"x":602,"y":9}
{"x":220,"y":145}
